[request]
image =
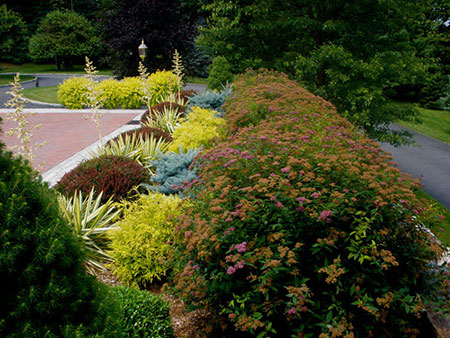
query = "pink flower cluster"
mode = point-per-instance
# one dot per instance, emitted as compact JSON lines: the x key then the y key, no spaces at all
{"x":241,"y":247}
{"x":325,"y":216}
{"x":237,"y":266}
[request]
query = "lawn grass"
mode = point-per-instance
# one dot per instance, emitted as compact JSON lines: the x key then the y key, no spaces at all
{"x":436,"y":124}
{"x":196,"y":80}
{"x":42,"y":94}
{"x":6,"y":79}
{"x":32,"y":68}
{"x":441,"y":227}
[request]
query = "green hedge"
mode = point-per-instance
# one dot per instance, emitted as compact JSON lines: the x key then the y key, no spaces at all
{"x":300,"y":226}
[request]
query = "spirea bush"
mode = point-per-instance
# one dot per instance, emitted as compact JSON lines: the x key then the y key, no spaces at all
{"x":198,"y":129}
{"x":115,"y":176}
{"x":73,"y":92}
{"x":46,"y":290}
{"x":173,"y":170}
{"x":209,"y":100}
{"x":300,"y":226}
{"x":143,"y":238}
{"x":159,"y":109}
{"x":144,"y":314}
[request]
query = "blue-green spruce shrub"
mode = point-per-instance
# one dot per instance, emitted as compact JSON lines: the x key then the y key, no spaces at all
{"x":209,"y":100}
{"x":173,"y":170}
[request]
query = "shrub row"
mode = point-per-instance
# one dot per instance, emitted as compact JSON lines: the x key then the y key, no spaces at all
{"x":300,"y":226}
{"x":127,"y":93}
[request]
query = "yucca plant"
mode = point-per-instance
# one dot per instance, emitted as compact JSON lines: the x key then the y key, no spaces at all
{"x":90,"y":220}
{"x":175,"y":98}
{"x":167,"y":120}
{"x":140,"y":148}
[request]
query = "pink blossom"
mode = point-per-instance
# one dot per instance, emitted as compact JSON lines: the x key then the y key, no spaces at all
{"x":278,"y":204}
{"x":315,"y":195}
{"x":325,"y":214}
{"x":286,"y":169}
{"x":403,"y":201}
{"x":231,"y":270}
{"x":300,"y":208}
{"x":239,"y":265}
{"x":301,"y":199}
{"x":230,"y":162}
{"x":291,"y":311}
{"x":241,"y":247}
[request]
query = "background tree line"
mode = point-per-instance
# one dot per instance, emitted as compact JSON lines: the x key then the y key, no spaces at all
{"x":361,"y":55}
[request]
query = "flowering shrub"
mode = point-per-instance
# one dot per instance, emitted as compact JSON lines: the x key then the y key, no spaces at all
{"x":113,"y":175}
{"x":200,"y":126}
{"x":300,"y":226}
{"x":73,"y":92}
{"x":141,"y":243}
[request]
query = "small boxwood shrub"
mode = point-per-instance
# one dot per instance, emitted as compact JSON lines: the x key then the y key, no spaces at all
{"x":46,"y":291}
{"x":159,"y":108}
{"x":209,"y":100}
{"x":300,"y":226}
{"x":73,"y":92}
{"x":141,"y":243}
{"x":200,"y":126}
{"x":144,"y":314}
{"x":173,"y":171}
{"x":219,"y":73}
{"x":146,"y":131}
{"x":113,"y":175}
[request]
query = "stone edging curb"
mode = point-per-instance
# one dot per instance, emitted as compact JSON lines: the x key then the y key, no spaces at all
{"x":21,"y":82}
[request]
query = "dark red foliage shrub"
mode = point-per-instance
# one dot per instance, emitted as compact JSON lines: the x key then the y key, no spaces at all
{"x":300,"y":226}
{"x":159,"y":108}
{"x":114,"y":175}
{"x":144,"y":131}
{"x":187,"y":94}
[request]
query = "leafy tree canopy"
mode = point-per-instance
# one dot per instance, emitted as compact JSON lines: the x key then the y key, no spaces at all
{"x":13,"y":36}
{"x":64,"y":36}
{"x":351,"y":52}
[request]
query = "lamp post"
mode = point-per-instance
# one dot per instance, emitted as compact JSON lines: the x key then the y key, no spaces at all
{"x":142,"y":50}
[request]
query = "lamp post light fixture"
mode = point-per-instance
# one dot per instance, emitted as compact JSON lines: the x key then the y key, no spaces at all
{"x":143,"y":50}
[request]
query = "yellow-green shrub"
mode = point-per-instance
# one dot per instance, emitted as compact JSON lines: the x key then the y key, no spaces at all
{"x":142,"y":241}
{"x":200,"y":127}
{"x":132,"y":94}
{"x":73,"y":92}
{"x":111,"y":93}
{"x":162,"y":84}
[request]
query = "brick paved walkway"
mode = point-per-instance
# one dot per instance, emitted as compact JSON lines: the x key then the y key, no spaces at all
{"x":67,"y":132}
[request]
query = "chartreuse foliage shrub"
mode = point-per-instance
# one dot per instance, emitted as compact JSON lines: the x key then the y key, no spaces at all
{"x":111,"y":93}
{"x":141,"y":244}
{"x":132,"y":94}
{"x":144,"y":314}
{"x":162,"y":84}
{"x":73,"y":92}
{"x":126,"y":93}
{"x":200,"y":126}
{"x":209,"y":100}
{"x":46,"y":291}
{"x":219,"y":73}
{"x":301,"y":227}
{"x":173,"y":170}
{"x":113,"y":175}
